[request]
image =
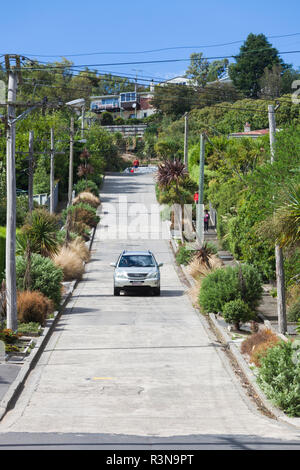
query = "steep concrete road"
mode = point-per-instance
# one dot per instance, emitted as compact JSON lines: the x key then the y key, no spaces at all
{"x":136,"y":368}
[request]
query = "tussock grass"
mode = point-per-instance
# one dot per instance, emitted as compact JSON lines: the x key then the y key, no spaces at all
{"x":33,"y":306}
{"x":70,"y":262}
{"x":199,"y":270}
{"x":79,"y":247}
{"x":257,"y":345}
{"x":88,"y":198}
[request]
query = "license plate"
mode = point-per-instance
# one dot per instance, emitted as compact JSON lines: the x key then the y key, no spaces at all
{"x":136,"y":283}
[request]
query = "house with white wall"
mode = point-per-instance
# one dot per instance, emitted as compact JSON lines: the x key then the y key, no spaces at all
{"x":126,"y":105}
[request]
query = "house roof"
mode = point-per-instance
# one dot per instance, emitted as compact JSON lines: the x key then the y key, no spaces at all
{"x":258,"y":132}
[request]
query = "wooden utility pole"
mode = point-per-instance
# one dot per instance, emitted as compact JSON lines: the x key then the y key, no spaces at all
{"x":70,"y":190}
{"x":186,"y":132}
{"x":11,"y":289}
{"x":281,"y":305}
{"x":30,"y":172}
{"x":52,"y":153}
{"x":272,"y":130}
{"x":200,"y":207}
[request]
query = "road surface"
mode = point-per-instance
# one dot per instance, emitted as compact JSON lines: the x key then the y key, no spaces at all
{"x":135,"y":371}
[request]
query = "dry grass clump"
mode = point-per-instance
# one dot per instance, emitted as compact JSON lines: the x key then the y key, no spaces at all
{"x":33,"y":306}
{"x":194,"y":292}
{"x":88,"y":198}
{"x":257,"y":345}
{"x":78,"y":246}
{"x":198,"y":269}
{"x":70,"y":263}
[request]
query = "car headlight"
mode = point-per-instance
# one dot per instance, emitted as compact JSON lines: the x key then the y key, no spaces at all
{"x":121,"y":275}
{"x":153,"y":275}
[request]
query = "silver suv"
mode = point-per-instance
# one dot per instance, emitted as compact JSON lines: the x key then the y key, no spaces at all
{"x":136,"y":269}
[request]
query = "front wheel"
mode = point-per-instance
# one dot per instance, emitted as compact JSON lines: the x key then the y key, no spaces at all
{"x":117,"y":291}
{"x":156,"y":290}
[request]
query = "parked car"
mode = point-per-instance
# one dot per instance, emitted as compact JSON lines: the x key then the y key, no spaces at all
{"x":136,"y":269}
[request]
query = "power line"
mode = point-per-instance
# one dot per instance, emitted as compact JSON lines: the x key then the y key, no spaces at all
{"x":53,"y":67}
{"x":154,"y":50}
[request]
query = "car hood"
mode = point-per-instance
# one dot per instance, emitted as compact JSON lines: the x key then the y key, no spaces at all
{"x":137,"y":270}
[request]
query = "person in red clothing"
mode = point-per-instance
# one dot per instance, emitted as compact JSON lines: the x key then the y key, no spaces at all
{"x":136,"y":163}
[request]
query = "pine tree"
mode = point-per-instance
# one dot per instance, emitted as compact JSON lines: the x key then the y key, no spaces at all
{"x":255,"y":55}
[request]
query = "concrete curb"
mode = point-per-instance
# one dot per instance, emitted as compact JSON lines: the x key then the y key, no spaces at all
{"x":17,"y":385}
{"x":226,"y":339}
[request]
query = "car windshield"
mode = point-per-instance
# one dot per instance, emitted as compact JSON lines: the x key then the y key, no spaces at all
{"x":141,"y":261}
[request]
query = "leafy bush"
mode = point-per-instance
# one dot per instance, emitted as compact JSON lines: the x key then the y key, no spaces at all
{"x":41,"y":180}
{"x":107,"y":119}
{"x":45,"y":276}
{"x":61,"y":236}
{"x":33,"y":307}
{"x":86,"y":185}
{"x":236,"y":312}
{"x":8,"y":336}
{"x":279,"y":377}
{"x":82,"y":212}
{"x":230,"y":283}
{"x":184,"y":255}
{"x":29,"y":329}
{"x":293,"y":313}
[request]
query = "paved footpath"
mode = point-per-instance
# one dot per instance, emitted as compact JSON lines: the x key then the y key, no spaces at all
{"x":137,"y":367}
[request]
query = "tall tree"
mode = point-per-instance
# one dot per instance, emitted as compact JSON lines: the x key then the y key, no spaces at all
{"x":255,"y":55}
{"x":198,"y":69}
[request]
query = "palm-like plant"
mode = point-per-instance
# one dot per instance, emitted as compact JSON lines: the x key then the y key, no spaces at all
{"x":171,"y":172}
{"x":203,"y":255}
{"x":40,"y":231}
{"x":283,"y":227}
{"x":288,"y":217}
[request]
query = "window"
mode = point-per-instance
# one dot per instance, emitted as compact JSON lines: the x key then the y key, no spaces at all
{"x":140,"y":261}
{"x":125,"y":97}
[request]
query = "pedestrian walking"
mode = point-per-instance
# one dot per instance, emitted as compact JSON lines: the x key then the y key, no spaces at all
{"x":206,"y":220}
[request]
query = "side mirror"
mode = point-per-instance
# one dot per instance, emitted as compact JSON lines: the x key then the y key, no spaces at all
{"x":160,"y":265}
{"x":113,"y":265}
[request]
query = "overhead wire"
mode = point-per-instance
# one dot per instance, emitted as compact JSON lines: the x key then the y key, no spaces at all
{"x":154,"y":50}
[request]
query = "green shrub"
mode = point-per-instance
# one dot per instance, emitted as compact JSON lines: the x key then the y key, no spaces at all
{"x":107,"y":119}
{"x":45,"y":276}
{"x":230,"y":283}
{"x":293,"y":313}
{"x":82,"y":212}
{"x":86,"y":185}
{"x":184,"y":255}
{"x":279,"y":377}
{"x":236,"y":312}
{"x":61,"y":236}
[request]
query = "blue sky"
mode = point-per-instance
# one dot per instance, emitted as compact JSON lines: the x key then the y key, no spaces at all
{"x":65,"y":27}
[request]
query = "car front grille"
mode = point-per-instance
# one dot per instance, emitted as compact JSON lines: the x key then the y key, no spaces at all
{"x":136,"y":275}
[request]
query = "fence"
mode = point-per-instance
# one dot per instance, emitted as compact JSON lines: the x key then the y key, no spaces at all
{"x":44,"y":199}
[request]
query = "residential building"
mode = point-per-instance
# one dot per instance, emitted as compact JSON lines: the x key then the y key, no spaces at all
{"x":249,"y":133}
{"x":126,"y":105}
